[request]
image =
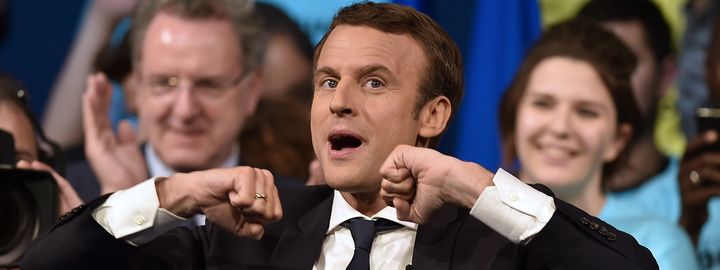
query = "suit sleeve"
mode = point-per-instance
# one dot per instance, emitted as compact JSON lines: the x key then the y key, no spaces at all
{"x":77,"y":241}
{"x":573,"y":239}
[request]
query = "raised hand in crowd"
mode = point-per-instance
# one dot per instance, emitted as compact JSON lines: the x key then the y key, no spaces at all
{"x":62,"y":117}
{"x":699,"y":180}
{"x":115,"y":158}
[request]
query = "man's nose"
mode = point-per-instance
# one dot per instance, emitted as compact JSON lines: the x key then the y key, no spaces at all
{"x":185,"y":105}
{"x":342,"y":101}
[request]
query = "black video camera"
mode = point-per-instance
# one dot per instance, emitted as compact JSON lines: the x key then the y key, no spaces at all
{"x":28,"y":204}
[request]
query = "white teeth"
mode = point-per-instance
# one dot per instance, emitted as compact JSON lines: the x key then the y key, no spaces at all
{"x":556,"y":152}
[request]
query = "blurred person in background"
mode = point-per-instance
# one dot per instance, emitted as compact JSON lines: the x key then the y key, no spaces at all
{"x":567,"y":118}
{"x":115,"y":62}
{"x":681,"y":190}
{"x":641,"y":27}
{"x":699,"y":63}
{"x":287,"y":63}
{"x":17,"y":119}
{"x":198,"y":71}
{"x":277,"y":136}
{"x":102,"y":43}
{"x":63,"y":114}
{"x":699,"y":176}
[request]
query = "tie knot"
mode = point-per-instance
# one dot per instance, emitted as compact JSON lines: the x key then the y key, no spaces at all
{"x":363,"y":231}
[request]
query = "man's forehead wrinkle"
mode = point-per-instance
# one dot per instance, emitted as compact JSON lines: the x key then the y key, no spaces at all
{"x":379,"y":54}
{"x":382,"y":50}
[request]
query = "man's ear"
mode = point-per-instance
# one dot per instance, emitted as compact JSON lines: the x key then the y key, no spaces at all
{"x":253,"y":88}
{"x":434,"y":116}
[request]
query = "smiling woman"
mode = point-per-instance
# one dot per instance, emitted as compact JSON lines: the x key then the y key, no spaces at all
{"x":567,"y":118}
{"x":566,"y":129}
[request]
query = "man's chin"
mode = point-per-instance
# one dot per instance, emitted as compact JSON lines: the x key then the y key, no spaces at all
{"x":183,"y":156}
{"x":186,"y":162}
{"x":351,"y":183}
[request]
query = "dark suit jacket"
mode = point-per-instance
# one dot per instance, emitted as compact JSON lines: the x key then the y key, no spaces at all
{"x":452,"y":240}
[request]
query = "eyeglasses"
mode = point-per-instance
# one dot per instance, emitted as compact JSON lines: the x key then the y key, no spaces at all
{"x":204,"y":89}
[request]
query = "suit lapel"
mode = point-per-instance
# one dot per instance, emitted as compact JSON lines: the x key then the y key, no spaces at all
{"x":435,"y":240}
{"x":300,"y":242}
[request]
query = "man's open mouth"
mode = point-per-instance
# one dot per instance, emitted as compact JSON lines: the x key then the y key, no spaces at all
{"x":340,"y":141}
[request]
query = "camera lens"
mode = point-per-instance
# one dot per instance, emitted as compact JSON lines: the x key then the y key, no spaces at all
{"x":19,"y":222}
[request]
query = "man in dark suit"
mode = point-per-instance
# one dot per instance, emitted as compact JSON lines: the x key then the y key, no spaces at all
{"x":387,"y":80}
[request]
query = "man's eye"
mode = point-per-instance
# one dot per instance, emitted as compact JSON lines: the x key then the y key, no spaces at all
{"x":209,"y":86}
{"x":206,"y":84}
{"x":329,"y":83}
{"x":158,"y":83}
{"x":374,"y":83}
{"x":163,"y":82}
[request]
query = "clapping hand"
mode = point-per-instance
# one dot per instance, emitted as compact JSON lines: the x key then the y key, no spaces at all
{"x":115,"y":158}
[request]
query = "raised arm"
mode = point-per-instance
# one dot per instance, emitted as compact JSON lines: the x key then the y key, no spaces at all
{"x":105,"y":233}
{"x":62,"y":120}
{"x":418,"y":181}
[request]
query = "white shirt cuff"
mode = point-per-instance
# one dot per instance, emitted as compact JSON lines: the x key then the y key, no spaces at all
{"x":512,"y":208}
{"x":135,"y":215}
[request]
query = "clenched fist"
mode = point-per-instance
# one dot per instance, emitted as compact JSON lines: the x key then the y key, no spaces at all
{"x":240,"y":200}
{"x":418,"y":181}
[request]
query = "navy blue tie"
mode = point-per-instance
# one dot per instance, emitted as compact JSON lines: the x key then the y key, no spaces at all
{"x":363,"y":233}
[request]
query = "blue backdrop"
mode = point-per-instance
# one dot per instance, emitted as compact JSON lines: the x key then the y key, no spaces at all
{"x":493,"y":45}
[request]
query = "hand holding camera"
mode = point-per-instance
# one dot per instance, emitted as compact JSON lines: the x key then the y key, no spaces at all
{"x":699,"y":174}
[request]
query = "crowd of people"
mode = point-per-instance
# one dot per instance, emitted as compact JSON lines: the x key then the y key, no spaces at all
{"x":213,"y":135}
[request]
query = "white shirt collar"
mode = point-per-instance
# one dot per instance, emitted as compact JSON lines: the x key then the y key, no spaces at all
{"x":342,"y":211}
{"x":157,"y":167}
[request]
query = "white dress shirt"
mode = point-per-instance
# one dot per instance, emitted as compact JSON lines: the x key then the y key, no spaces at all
{"x":158,"y":168}
{"x":512,"y":208}
{"x":339,"y":246}
{"x":143,"y":210}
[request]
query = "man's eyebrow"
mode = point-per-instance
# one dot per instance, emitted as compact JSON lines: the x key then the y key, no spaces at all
{"x":326,"y":70}
{"x":360,"y":72}
{"x":369,"y":69}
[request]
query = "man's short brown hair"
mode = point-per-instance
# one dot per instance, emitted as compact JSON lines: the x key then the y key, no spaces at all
{"x":444,"y":74}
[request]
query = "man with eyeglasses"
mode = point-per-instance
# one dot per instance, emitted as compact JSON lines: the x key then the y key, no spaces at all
{"x":198,"y":80}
